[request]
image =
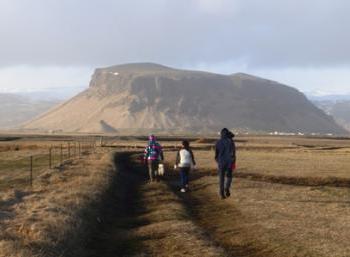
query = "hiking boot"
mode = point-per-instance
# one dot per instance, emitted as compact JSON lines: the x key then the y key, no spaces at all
{"x":227,"y":192}
{"x":183,"y":190}
{"x":222,"y":196}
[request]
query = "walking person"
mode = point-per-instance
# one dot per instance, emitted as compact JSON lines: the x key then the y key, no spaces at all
{"x":152,"y":156}
{"x":225,"y":156}
{"x":185,"y":160}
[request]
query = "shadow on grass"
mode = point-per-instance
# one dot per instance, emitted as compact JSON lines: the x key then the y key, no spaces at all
{"x":120,"y":213}
{"x":296,"y":181}
{"x":285,"y":180}
{"x":219,"y":221}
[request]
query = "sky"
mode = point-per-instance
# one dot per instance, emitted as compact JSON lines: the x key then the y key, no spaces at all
{"x":58,"y":43}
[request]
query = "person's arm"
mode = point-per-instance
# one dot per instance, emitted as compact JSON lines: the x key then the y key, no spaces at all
{"x":177,"y":158}
{"x":192,"y":156}
{"x":161,"y":153}
{"x":233,"y":151}
{"x":216,"y":151}
{"x":145,"y":154}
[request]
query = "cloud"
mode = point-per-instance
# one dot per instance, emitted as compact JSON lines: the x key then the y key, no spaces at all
{"x":26,"y":78}
{"x":50,"y":43}
{"x":334,"y":80}
{"x":215,"y":6}
{"x":330,"y":80}
{"x":273,"y":33}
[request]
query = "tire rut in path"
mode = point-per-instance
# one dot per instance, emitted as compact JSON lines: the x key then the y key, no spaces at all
{"x":118,"y":215}
{"x":141,"y":219}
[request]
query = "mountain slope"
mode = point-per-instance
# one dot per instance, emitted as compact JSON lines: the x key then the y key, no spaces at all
{"x":339,"y":109}
{"x":139,"y":97}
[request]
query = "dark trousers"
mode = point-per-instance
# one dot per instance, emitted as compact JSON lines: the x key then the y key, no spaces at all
{"x":225,"y":170}
{"x":184,"y":172}
{"x":152,"y":169}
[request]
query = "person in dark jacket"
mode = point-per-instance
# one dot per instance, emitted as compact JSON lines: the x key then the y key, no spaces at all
{"x":225,"y":156}
{"x":152,"y":155}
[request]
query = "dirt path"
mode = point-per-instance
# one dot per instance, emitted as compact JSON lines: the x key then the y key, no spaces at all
{"x":266,"y":219}
{"x":144,"y":219}
{"x":222,"y":221}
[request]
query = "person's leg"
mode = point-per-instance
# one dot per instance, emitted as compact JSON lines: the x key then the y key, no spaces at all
{"x":150,"y":171}
{"x":187,"y":171}
{"x":183,"y":179}
{"x":155,"y":169}
{"x":221,"y":181}
{"x":228,"y":181}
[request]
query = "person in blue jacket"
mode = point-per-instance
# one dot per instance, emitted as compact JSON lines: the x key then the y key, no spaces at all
{"x":225,"y":156}
{"x":153,"y":154}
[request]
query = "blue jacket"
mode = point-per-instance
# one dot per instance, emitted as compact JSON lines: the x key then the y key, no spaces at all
{"x":153,"y":151}
{"x":225,"y":150}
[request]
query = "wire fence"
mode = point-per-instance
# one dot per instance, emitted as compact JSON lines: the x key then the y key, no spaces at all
{"x":21,"y":164}
{"x":22,"y":168}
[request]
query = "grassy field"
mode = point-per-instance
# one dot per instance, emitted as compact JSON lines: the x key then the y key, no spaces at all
{"x":296,"y":157}
{"x":58,"y":212}
{"x":16,"y":162}
{"x":272,"y":218}
{"x":277,"y":216}
{"x":280,"y":203}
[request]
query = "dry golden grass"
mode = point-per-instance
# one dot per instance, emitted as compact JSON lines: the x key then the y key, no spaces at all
{"x":54,"y":217}
{"x":15,"y":160}
{"x":309,"y":163}
{"x":145,"y":219}
{"x":171,"y":230}
{"x":285,"y":157}
{"x":260,"y":218}
{"x":274,"y":220}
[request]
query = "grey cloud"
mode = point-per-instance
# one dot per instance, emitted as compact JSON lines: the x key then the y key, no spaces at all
{"x":272,"y":33}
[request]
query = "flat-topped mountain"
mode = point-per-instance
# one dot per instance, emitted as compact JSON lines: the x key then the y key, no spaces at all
{"x":151,"y":97}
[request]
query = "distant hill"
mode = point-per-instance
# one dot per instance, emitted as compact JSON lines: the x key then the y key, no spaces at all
{"x":339,"y":109}
{"x":151,"y":97}
{"x":16,"y":109}
{"x":326,"y":97}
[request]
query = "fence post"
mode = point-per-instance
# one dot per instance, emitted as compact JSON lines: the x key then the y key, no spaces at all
{"x":31,"y":171}
{"x":54,"y":151}
{"x":61,"y":155}
{"x":68,"y":150}
{"x":79,"y":149}
{"x":50,"y":158}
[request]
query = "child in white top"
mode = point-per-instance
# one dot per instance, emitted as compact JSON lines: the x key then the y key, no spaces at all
{"x":184,"y":160}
